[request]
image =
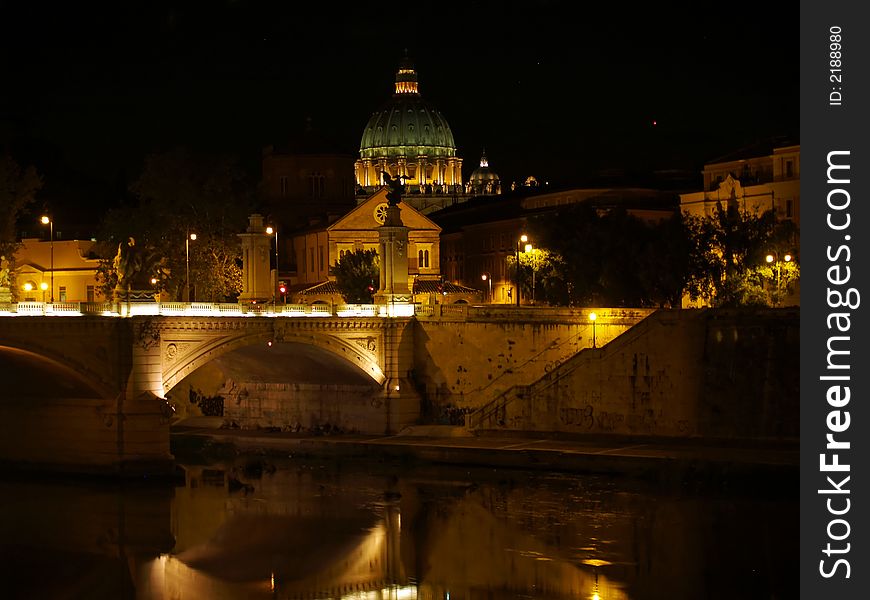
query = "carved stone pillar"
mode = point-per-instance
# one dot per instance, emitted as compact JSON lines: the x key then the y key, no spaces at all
{"x":256,"y":270}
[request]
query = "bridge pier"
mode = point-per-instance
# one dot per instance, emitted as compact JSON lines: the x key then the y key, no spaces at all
{"x":400,"y":398}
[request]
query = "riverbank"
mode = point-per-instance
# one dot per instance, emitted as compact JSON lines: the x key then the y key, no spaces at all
{"x":672,"y":460}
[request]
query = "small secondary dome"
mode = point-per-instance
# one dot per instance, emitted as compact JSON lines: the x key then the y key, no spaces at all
{"x":483,"y":180}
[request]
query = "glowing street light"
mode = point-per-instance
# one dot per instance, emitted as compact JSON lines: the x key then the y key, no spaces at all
{"x":191,"y":237}
{"x":593,"y":317}
{"x":487,"y":277}
{"x":43,"y":286}
{"x":770,"y":258}
{"x":523,"y":239}
{"x":529,"y":250}
{"x":46,"y":220}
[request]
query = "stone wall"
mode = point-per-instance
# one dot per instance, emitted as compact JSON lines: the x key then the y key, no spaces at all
{"x":466,"y":359}
{"x":718,"y":374}
{"x":305,"y":407}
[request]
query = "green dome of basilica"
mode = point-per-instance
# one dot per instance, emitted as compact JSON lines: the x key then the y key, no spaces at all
{"x":409,"y":138}
{"x":407,"y":126}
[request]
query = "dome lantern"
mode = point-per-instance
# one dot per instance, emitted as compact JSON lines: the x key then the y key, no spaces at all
{"x":406,"y":78}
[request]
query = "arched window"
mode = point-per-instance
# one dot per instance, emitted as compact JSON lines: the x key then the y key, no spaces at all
{"x":423,"y":259}
{"x":316,"y":184}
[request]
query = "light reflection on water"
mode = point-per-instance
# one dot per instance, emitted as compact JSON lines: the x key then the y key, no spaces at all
{"x":296,"y":529}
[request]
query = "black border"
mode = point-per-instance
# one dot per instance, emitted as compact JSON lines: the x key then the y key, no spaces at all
{"x":825,"y":128}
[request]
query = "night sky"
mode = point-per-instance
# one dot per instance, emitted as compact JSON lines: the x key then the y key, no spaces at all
{"x":558,"y":90}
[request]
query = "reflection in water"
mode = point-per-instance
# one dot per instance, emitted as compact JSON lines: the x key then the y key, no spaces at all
{"x":306,"y":530}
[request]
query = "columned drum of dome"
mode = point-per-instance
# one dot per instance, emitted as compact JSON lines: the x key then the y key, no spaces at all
{"x":408,"y":137}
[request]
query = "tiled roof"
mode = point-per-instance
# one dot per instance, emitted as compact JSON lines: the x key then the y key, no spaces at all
{"x":430,"y":286}
{"x":326,"y":287}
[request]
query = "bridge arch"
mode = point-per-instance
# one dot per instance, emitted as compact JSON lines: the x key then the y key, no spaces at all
{"x":33,"y":366}
{"x":176,"y":367}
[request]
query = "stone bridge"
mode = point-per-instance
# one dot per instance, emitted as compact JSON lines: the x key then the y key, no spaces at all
{"x":92,"y":390}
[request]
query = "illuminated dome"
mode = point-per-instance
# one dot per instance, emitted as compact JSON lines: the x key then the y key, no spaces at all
{"x":483,"y":180}
{"x":408,"y":136}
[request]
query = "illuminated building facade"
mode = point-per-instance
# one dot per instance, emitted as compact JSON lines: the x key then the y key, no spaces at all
{"x":755,"y":180}
{"x":73,"y":267}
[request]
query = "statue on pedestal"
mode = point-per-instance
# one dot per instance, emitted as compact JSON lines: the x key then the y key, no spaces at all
{"x":4,"y":273}
{"x":135,"y":266}
{"x":397,"y":188}
{"x":5,"y":281}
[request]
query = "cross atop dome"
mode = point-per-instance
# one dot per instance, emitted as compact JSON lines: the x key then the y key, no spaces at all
{"x":483,"y":161}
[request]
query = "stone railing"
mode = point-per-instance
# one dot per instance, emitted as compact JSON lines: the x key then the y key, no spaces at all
{"x":195,"y":309}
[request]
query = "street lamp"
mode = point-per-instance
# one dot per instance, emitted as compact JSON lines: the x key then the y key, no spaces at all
{"x":43,"y":286}
{"x":776,"y":276}
{"x":593,"y":317}
{"x":270,"y":230}
{"x":523,"y":239}
{"x":191,"y":237}
{"x":530,"y":250}
{"x":487,"y":277}
{"x":46,"y":220}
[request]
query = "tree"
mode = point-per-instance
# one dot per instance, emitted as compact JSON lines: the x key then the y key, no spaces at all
{"x":543,"y":269}
{"x":18,"y":187}
{"x":606,"y":256}
{"x":179,"y":193}
{"x":357,"y":276}
{"x":728,"y":258}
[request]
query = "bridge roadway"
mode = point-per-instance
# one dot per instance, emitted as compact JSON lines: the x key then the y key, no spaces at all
{"x":94,"y":384}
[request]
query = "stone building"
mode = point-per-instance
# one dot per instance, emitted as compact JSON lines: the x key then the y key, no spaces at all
{"x":757,"y":179}
{"x":319,"y":248}
{"x":65,"y":271}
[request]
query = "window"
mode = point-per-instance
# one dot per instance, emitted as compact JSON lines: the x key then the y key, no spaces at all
{"x":284,"y":186}
{"x":789,"y":169}
{"x":423,"y":259}
{"x":316,"y":184}
{"x":311,"y":259}
{"x":62,"y":293}
{"x":789,"y":209}
{"x":90,"y":293}
{"x":320,"y":257}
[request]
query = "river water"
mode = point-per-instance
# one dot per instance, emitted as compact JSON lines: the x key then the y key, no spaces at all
{"x":294,"y":528}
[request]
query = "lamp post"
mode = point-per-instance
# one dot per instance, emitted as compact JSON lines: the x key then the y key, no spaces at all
{"x":46,"y":220}
{"x":487,"y":277}
{"x":593,"y":317}
{"x":523,"y":239}
{"x":270,"y":230}
{"x":43,"y":286}
{"x":191,"y":237}
{"x":770,"y":258}
{"x":530,"y":250}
